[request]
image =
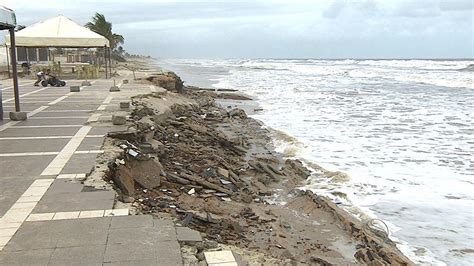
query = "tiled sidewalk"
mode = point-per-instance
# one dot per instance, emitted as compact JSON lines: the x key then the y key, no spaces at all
{"x":118,"y":240}
{"x":47,"y":217}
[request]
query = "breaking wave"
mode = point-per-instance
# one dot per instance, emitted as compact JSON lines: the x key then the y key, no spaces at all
{"x":385,"y":138}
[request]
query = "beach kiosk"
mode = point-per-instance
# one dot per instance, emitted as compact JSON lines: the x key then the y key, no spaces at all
{"x":8,"y":22}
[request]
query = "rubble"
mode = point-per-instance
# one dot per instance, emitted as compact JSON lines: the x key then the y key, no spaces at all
{"x":167,"y":80}
{"x":147,"y":173}
{"x":124,"y":180}
{"x":185,"y":234}
{"x":237,"y":112}
{"x":215,"y":172}
{"x":119,"y":119}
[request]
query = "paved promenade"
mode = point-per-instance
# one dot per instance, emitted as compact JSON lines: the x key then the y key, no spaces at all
{"x":47,"y":217}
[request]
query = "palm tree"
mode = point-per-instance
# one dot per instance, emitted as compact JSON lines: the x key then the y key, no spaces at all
{"x":101,"y":26}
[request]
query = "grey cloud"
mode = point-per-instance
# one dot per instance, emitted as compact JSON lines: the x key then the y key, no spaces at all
{"x":277,"y":28}
{"x":456,"y":5}
{"x":419,"y":8}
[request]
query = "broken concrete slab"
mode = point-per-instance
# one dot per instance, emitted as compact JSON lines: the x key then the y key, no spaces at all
{"x":185,"y":234}
{"x":220,"y":258}
{"x":119,"y":119}
{"x":129,"y":135}
{"x":156,"y":145}
{"x":124,"y":180}
{"x":146,"y":173}
{"x":18,"y":116}
{"x":148,"y":182}
{"x":160,"y":92}
{"x":74,"y":88}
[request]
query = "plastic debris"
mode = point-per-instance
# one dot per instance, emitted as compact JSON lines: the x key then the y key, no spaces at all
{"x":225,"y":182}
{"x":133,"y":153}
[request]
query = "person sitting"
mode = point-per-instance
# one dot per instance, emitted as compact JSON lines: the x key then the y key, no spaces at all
{"x":40,"y":76}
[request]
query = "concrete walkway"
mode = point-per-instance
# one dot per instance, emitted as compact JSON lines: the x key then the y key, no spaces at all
{"x":47,"y":217}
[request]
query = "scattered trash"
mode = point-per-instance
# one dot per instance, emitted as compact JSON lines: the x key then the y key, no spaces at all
{"x":191,"y":191}
{"x":225,"y":182}
{"x":133,"y":153}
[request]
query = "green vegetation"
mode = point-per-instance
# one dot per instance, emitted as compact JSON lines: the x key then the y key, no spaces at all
{"x":100,"y":25}
{"x":103,"y":27}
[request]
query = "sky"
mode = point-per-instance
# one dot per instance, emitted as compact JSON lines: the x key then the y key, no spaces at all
{"x":276,"y":28}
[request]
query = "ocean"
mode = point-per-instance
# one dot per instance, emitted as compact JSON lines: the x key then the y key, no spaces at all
{"x":402,"y":131}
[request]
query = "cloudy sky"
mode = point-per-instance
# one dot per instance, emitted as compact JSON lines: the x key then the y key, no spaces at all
{"x":276,"y":28}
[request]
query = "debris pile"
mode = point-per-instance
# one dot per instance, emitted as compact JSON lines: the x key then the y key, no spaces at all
{"x":167,"y":80}
{"x":215,"y":171}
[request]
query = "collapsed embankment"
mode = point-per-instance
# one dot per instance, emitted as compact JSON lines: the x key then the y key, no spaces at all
{"x":216,"y":171}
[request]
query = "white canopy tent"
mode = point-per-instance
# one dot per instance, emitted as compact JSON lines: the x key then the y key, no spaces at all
{"x":58,"y":31}
{"x":62,"y":32}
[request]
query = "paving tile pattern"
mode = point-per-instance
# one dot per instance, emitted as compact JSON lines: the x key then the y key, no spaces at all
{"x":66,"y":196}
{"x":45,"y":217}
{"x":122,"y":240}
